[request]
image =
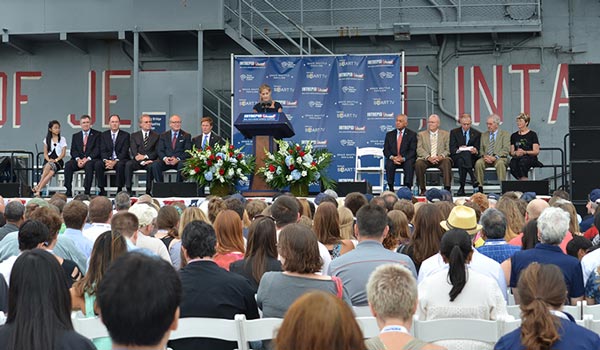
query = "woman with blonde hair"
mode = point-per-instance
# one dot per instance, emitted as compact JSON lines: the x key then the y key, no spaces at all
{"x":230,"y":240}
{"x":319,"y":320}
{"x":188,"y":215}
{"x":515,"y":220}
{"x":346,"y":223}
{"x":542,"y":292}
{"x":327,"y":227}
{"x":569,"y":208}
{"x":167,"y":222}
{"x":401,"y":231}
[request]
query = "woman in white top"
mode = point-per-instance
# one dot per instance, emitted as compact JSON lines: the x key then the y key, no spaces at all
{"x":460,"y":292}
{"x":55,"y":149}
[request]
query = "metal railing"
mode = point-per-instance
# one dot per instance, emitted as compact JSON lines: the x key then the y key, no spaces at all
{"x":371,"y":17}
{"x":251,"y":18}
{"x":220,"y":110}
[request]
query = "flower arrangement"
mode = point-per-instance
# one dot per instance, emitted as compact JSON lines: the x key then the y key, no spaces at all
{"x":218,"y":165}
{"x":294,"y":164}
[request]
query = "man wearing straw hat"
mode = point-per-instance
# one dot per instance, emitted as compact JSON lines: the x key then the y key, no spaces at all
{"x":465,"y":218}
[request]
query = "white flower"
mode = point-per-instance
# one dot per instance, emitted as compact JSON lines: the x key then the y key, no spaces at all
{"x":238,"y":171}
{"x":304,"y":173}
{"x":299,"y":160}
{"x":231,"y":172}
{"x":270,"y":156}
{"x":289,"y":178}
{"x":192,"y":172}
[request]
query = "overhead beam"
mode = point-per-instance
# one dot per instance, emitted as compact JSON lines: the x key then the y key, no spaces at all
{"x":21,"y":45}
{"x":157,"y":43}
{"x":74,"y":42}
{"x":126,"y":37}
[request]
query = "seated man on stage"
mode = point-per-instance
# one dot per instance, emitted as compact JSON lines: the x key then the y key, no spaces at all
{"x":495,"y":145}
{"x":171,"y":150}
{"x":85,"y":151}
{"x":400,"y":151}
{"x":114,"y":152}
{"x":464,"y":144}
{"x":432,"y":152}
{"x":143,"y":148}
{"x":208,"y":137}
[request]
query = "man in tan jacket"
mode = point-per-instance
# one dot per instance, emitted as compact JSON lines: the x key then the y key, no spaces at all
{"x":433,"y":150}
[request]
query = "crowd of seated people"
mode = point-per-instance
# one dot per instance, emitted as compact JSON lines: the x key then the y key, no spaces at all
{"x":229,"y":256}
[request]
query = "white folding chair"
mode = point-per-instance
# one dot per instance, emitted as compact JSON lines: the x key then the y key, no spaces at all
{"x":213,"y":328}
{"x":574,"y":310}
{"x":372,"y":152}
{"x":255,"y":330}
{"x":368,"y":326}
{"x":514,"y":310}
{"x":592,"y":310}
{"x":458,"y":329}
{"x":362,"y":311}
{"x":590,"y":323}
{"x":90,"y":327}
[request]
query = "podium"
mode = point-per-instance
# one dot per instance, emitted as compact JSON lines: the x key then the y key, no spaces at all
{"x":262,"y":128}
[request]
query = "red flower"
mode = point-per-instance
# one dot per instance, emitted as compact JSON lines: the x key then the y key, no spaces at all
{"x":313,"y":164}
{"x":211,"y":157}
{"x":292,"y":167}
{"x":302,"y":153}
{"x":209,"y":162}
{"x":197,"y":170}
{"x":231,"y":154}
{"x":290,"y":151}
{"x":240,"y":156}
{"x":298,"y":148}
{"x":219,"y":158}
{"x":231,"y":147}
{"x":221,"y":171}
{"x":208,"y":148}
{"x":272,"y":168}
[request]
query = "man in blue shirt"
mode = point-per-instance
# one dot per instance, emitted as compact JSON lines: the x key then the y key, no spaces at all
{"x":494,"y":228}
{"x":552,"y":225}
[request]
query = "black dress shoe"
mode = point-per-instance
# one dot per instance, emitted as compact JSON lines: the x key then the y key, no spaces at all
{"x":461,"y":191}
{"x":480,"y":189}
{"x":68,"y":194}
{"x":102,"y":193}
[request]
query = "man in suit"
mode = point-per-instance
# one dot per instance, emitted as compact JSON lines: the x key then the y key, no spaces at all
{"x":114,"y":152}
{"x":464,"y":151}
{"x":85,"y":151}
{"x":432,"y":152}
{"x":171,"y":150}
{"x":143,"y":149}
{"x":400,"y":151}
{"x":208,"y":137}
{"x":495,"y":145}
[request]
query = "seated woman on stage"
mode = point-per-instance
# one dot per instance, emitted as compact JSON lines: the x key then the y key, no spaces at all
{"x":55,"y":149}
{"x":524,"y":148}
{"x":266,"y":103}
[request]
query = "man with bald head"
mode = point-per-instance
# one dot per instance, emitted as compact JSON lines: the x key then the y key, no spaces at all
{"x":400,"y":151}
{"x":534,"y":209}
{"x":494,"y":148}
{"x":433,"y":151}
{"x":171,"y":150}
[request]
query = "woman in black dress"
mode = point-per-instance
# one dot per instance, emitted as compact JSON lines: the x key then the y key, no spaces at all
{"x":266,"y":103}
{"x":55,"y":149}
{"x":524,"y":148}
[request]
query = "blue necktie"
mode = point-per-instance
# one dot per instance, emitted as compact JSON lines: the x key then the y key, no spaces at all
{"x":204,"y":141}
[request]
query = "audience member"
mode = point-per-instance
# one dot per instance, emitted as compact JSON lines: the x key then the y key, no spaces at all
{"x":100,"y":215}
{"x":481,"y":200}
{"x":552,"y":224}
{"x":532,"y":212}
{"x":425,"y":240}
{"x":326,"y":323}
{"x":354,"y":201}
{"x":146,"y":215}
{"x":326,"y":226}
{"x":346,"y":223}
{"x":301,"y":263}
{"x":459,"y":292}
{"x":400,"y":225}
{"x":588,"y":263}
{"x":215,"y":206}
{"x":74,"y":215}
{"x":255,"y":207}
{"x":514,"y":219}
{"x":355,"y":267}
{"x":493,"y":231}
{"x":392,"y":295}
{"x":230,"y":240}
{"x":208,"y":290}
{"x":107,"y":248}
{"x":38,"y":287}
{"x":544,"y":325}
{"x":591,"y":206}
{"x":122,"y":201}
{"x":138,"y":315}
{"x":530,"y":235}
{"x":14,"y":213}
{"x":570,"y":209}
{"x":261,"y":252}
{"x":167,"y":223}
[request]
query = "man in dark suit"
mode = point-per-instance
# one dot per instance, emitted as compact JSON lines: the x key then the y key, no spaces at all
{"x":85,"y":151}
{"x":402,"y":155}
{"x":208,"y":290}
{"x":143,"y":149}
{"x":114,"y":152}
{"x":171,"y":150}
{"x":208,"y":137}
{"x":464,"y":143}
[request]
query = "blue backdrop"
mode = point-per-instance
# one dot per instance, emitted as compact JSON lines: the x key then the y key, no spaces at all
{"x":339,"y":102}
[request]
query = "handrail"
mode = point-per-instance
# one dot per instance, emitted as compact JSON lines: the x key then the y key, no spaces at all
{"x":561,"y":165}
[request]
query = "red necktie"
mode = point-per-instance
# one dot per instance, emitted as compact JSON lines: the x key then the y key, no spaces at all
{"x":85,"y":138}
{"x":398,"y":143}
{"x":174,"y":140}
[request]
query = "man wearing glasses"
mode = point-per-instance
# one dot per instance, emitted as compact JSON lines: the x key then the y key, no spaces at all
{"x":171,"y":149}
